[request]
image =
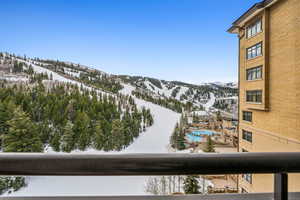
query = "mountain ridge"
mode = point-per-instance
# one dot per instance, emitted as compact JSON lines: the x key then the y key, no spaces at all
{"x":197,"y":94}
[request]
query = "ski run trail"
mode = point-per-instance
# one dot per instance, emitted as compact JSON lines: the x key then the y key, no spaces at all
{"x":154,"y":140}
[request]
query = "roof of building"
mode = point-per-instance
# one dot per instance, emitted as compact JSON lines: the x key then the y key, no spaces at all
{"x":250,"y":13}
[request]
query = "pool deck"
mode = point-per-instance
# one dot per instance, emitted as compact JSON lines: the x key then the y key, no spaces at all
{"x":221,"y":144}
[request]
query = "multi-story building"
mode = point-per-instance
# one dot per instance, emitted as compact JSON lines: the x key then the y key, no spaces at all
{"x":269,"y":84}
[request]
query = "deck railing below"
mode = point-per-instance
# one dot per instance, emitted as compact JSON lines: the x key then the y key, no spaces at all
{"x":280,"y":164}
{"x":255,"y":196}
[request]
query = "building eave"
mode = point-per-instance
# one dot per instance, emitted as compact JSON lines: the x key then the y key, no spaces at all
{"x":249,"y":14}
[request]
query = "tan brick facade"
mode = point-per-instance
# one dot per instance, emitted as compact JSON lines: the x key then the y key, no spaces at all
{"x":275,"y":122}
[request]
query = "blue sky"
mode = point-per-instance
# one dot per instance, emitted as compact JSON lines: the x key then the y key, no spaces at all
{"x":182,"y":40}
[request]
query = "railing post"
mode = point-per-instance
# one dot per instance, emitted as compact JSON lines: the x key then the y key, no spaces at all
{"x":281,"y":186}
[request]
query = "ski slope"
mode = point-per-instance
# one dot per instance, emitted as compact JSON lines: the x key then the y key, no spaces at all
{"x":154,"y":140}
{"x":210,"y":102}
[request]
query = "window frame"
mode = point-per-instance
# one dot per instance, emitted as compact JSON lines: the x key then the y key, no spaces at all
{"x":247,"y":136}
{"x":245,"y":116}
{"x":254,"y":26}
{"x":247,"y":177}
{"x":253,"y":72}
{"x":254,"y":51}
{"x":252,"y":96}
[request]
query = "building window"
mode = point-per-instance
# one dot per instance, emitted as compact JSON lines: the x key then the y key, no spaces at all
{"x":254,"y":51}
{"x":254,"y":29}
{"x":247,"y":116}
{"x":247,"y":135}
{"x":247,"y":177}
{"x":254,"y":96}
{"x":254,"y":73}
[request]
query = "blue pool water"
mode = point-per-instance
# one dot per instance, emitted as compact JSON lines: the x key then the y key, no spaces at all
{"x":192,"y":138}
{"x":197,"y":136}
{"x":202,"y":132}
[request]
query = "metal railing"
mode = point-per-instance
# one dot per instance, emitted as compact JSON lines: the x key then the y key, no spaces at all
{"x":280,"y":164}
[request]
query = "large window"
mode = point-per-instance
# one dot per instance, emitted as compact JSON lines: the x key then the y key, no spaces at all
{"x":247,"y":177}
{"x":254,"y":51}
{"x":254,"y":96}
{"x":254,"y":73}
{"x":247,"y":135}
{"x":247,"y":116}
{"x":254,"y":29}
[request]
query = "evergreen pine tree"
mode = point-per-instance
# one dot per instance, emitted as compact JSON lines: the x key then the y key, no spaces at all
{"x":6,"y":112}
{"x":209,"y":148}
{"x":22,"y":135}
{"x":67,"y":143}
{"x":117,"y":136}
{"x":174,"y":136}
{"x":81,"y":129}
{"x":55,"y":141}
{"x":181,"y":140}
{"x":17,"y":182}
{"x":190,"y":185}
{"x":98,"y":137}
{"x":3,"y":184}
{"x":5,"y":115}
{"x":49,"y":109}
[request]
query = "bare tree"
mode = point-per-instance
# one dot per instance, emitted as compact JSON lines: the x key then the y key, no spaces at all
{"x":163,"y":185}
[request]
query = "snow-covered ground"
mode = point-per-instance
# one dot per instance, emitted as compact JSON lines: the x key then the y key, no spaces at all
{"x":72,"y":73}
{"x":57,"y":77}
{"x":13,"y":78}
{"x":210,"y":102}
{"x":228,"y":98}
{"x":154,"y":140}
{"x":165,"y":91}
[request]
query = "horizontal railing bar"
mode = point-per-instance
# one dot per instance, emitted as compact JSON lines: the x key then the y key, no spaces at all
{"x":256,"y":196}
{"x":147,"y":164}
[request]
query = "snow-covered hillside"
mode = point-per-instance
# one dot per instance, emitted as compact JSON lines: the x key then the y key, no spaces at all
{"x":154,"y":140}
{"x":203,"y":96}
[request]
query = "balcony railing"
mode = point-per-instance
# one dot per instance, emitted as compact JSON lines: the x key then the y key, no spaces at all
{"x":279,"y":164}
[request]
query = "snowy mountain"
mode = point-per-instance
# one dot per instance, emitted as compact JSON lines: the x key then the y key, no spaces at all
{"x":171,"y":94}
{"x":219,"y":95}
{"x":147,"y":142}
{"x":161,"y":97}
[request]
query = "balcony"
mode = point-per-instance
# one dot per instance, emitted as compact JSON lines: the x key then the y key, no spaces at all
{"x":279,"y":164}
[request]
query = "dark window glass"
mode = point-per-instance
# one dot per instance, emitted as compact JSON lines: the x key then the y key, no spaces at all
{"x":254,"y":73}
{"x":247,"y":135}
{"x":247,"y":116}
{"x":254,"y":96}
{"x":254,"y":51}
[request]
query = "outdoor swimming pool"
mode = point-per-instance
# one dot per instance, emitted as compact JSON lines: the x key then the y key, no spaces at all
{"x":193,"y":138}
{"x":197,"y":136}
{"x":202,"y":132}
